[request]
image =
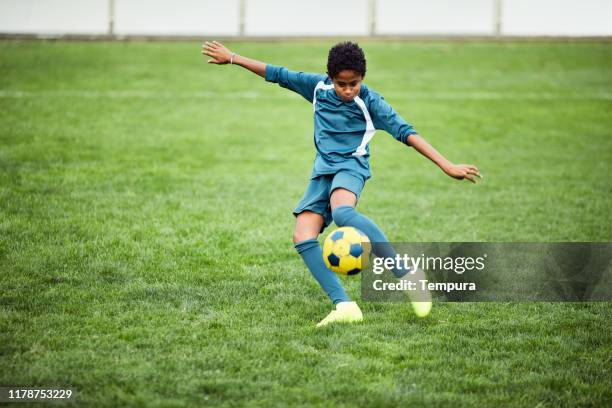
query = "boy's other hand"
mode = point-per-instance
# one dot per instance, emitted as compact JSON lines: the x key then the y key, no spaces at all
{"x":218,"y":53}
{"x":463,"y":171}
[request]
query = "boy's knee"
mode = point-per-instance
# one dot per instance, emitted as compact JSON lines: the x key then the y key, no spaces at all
{"x":297,"y":237}
{"x":307,"y":226}
{"x":343,"y":214}
{"x":300,"y":236}
{"x":306,"y":245}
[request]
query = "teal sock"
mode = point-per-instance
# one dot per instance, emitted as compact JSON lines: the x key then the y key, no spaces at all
{"x":346,"y":215}
{"x":312,"y":254}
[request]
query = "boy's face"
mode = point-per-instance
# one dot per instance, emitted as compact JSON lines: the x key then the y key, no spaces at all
{"x":347,"y":84}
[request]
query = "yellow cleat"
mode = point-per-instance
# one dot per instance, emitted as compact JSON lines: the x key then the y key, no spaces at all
{"x":346,"y":312}
{"x":420,"y":299}
{"x":421,"y":309}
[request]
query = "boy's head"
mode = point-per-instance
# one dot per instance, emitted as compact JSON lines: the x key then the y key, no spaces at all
{"x":346,"y":66}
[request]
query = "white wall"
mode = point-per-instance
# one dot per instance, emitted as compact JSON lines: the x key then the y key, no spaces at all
{"x":307,"y":17}
{"x":557,"y":17}
{"x":54,"y":16}
{"x":422,"y":17}
{"x":178,"y":17}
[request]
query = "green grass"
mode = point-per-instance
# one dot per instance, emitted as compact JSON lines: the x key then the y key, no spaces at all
{"x":145,"y":225}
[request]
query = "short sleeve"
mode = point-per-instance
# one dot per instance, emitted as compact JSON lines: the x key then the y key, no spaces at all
{"x":300,"y":82}
{"x":385,"y":118}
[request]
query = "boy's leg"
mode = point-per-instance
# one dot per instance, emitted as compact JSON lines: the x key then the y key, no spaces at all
{"x":313,"y":214}
{"x":346,"y":188}
{"x":343,"y":203}
{"x":307,"y":227}
{"x":347,"y":215}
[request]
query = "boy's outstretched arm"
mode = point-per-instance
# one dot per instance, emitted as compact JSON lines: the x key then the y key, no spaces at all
{"x":299,"y":82}
{"x":220,"y":55}
{"x":458,"y":171}
{"x":386,"y":118}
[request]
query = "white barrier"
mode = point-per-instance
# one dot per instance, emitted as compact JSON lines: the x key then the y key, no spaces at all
{"x":54,"y":16}
{"x":286,"y":18}
{"x":177,"y":17}
{"x":439,"y":17}
{"x":557,"y":17}
{"x":306,"y":18}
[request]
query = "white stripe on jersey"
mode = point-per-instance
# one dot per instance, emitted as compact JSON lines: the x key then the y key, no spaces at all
{"x":369,"y":133}
{"x":320,"y":85}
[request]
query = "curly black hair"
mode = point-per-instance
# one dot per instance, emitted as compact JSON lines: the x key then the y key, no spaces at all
{"x":346,"y":55}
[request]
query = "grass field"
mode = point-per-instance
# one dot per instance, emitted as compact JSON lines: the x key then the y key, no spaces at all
{"x":145,"y":225}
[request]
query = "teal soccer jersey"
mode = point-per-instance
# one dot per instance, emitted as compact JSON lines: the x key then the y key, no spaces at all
{"x":342,"y":130}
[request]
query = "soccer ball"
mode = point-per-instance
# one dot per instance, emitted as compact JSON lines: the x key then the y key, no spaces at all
{"x":346,"y":250}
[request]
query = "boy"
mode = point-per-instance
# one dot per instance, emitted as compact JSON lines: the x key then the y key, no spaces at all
{"x":346,"y":116}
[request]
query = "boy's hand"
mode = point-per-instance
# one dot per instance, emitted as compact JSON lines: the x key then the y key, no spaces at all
{"x":463,"y":171}
{"x":220,"y":55}
{"x":218,"y":52}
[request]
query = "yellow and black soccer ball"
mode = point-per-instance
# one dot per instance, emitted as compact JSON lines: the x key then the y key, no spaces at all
{"x":346,"y":251}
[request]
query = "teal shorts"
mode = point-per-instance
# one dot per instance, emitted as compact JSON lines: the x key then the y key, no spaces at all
{"x":317,"y":195}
